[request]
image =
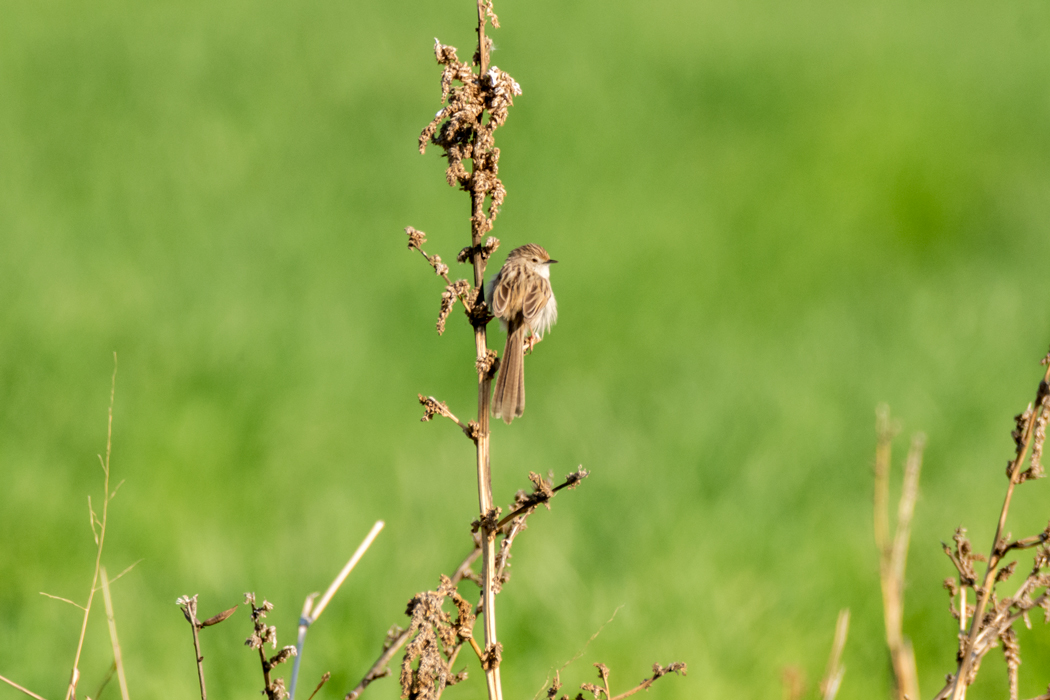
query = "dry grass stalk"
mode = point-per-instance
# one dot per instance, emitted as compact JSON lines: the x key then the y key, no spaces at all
{"x":20,"y":688}
{"x":312,"y":612}
{"x":324,"y":679}
{"x":829,"y":686}
{"x":792,"y":683}
{"x":118,"y":661}
{"x":189,"y":610}
{"x":993,"y":615}
{"x":893,"y":549}
{"x":98,"y":529}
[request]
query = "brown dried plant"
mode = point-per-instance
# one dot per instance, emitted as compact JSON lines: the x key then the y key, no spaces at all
{"x":476,"y":98}
{"x":507,"y":529}
{"x":602,"y":692}
{"x":994,"y":613}
{"x":264,"y":634}
{"x":100,"y":580}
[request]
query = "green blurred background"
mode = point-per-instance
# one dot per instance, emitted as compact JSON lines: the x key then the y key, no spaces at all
{"x":770,"y":216}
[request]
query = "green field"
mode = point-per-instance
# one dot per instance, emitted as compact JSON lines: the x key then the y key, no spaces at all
{"x":770,"y":217}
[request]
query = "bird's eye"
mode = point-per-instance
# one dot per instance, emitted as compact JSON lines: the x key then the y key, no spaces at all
{"x":536,"y":260}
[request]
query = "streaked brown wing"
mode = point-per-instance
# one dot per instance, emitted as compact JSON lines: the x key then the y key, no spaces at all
{"x":537,"y":295}
{"x":502,"y":292}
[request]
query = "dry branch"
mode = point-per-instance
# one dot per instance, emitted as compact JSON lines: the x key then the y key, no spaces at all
{"x":993,"y":616}
{"x":100,"y":535}
{"x":118,"y":660}
{"x":829,"y":686}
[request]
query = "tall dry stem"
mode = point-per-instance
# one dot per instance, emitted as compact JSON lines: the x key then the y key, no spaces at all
{"x":893,"y":550}
{"x":1031,"y":431}
{"x":100,"y":536}
{"x":118,"y":657}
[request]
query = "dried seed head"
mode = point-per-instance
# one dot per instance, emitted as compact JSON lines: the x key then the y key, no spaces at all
{"x":456,"y":290}
{"x":552,"y":692}
{"x":416,"y":239}
{"x":493,"y":656}
{"x":1005,"y":572}
{"x":432,"y":407}
{"x":277,"y":691}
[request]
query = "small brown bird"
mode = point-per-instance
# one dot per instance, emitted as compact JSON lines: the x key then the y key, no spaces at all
{"x":521,"y":298}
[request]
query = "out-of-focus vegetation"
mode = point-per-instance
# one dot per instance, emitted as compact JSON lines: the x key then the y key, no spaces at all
{"x":770,"y":217}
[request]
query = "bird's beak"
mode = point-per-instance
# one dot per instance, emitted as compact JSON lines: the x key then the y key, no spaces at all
{"x":551,"y":262}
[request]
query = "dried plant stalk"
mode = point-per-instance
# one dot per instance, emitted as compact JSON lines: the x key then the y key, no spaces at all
{"x":118,"y":660}
{"x":993,"y":616}
{"x":602,"y":691}
{"x":465,"y":134}
{"x":20,"y":688}
{"x":397,"y":637}
{"x":893,"y":553}
{"x":189,"y":610}
{"x":100,"y":535}
{"x":263,"y":634}
{"x":829,"y":686}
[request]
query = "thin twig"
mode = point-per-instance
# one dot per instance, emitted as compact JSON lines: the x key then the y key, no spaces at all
{"x":27,"y":691}
{"x":829,"y":686}
{"x":324,"y":679}
{"x":579,"y":653}
{"x":100,"y":537}
{"x":658,"y":673}
{"x":125,"y":571}
{"x":189,"y":609}
{"x":568,"y":483}
{"x":434,"y":407}
{"x":105,"y":681}
{"x":110,"y":619}
{"x":64,"y":600}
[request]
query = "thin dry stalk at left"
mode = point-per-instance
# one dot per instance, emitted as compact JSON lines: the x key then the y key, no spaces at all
{"x":893,"y":549}
{"x":98,"y":529}
{"x":829,"y":686}
{"x":118,"y":657}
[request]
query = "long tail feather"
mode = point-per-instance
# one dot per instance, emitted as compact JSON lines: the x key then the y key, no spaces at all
{"x":508,"y":401}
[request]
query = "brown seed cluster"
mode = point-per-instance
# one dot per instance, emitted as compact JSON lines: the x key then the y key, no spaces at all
{"x":464,"y":132}
{"x":264,"y":634}
{"x":436,"y":638}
